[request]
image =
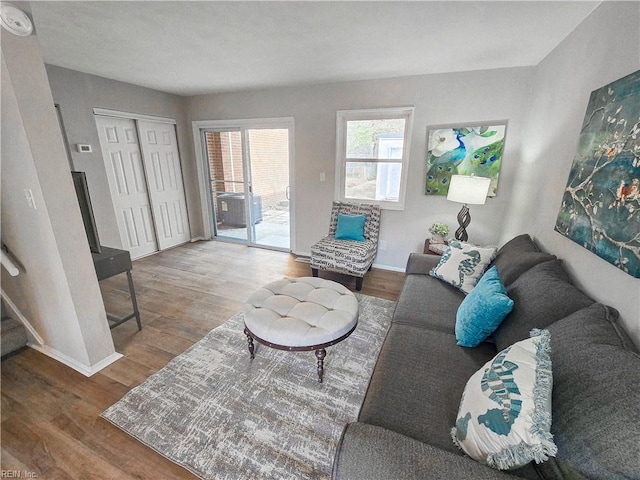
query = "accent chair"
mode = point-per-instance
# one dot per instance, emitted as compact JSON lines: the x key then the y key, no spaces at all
{"x":349,"y":257}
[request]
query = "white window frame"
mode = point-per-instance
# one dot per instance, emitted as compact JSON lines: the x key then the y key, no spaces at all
{"x":344,"y":116}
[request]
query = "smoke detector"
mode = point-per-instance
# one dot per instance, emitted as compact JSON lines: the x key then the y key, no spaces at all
{"x":15,"y":20}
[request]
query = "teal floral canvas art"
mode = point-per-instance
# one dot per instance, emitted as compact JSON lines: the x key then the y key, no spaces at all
{"x":600,"y":207}
{"x":463,"y":150}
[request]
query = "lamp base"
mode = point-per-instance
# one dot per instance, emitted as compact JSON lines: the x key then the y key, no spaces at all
{"x":464,"y":219}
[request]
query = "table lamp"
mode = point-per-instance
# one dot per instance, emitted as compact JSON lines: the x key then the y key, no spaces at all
{"x":467,"y":189}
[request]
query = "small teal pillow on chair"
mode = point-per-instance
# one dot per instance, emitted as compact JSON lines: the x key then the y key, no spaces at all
{"x":482,"y":311}
{"x":350,"y":227}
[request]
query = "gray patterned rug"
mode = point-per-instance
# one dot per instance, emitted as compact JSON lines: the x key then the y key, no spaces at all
{"x":222,"y":416}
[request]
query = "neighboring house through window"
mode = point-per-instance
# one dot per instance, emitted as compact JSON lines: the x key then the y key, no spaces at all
{"x":372,"y":155}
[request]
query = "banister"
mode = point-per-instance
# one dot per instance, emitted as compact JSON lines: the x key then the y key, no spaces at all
{"x":8,"y":262}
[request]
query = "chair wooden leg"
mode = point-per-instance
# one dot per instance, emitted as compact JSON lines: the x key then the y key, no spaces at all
{"x":314,"y":272}
{"x":359,"y":283}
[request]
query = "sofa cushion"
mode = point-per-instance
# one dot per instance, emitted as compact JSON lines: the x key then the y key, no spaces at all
{"x":596,"y":395}
{"x":504,"y":419}
{"x":541,"y":296}
{"x":518,"y":244}
{"x":368,"y":452}
{"x":421,"y":264}
{"x":517,"y":256}
{"x":429,"y":303}
{"x":463,"y":264}
{"x":417,"y":382}
{"x":482,"y":310}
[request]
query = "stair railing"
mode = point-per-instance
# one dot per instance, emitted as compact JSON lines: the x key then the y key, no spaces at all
{"x":8,"y":262}
{"x":11,"y":265}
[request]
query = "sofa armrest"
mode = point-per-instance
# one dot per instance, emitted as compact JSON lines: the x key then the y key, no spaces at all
{"x":420,"y":264}
{"x":368,"y":451}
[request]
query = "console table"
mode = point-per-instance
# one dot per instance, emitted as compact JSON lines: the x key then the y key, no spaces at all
{"x":110,"y":262}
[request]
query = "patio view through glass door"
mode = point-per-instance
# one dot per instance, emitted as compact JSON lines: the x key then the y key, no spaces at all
{"x":249,"y":178}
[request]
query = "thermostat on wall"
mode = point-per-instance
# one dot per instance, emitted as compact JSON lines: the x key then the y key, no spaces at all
{"x":83,"y":148}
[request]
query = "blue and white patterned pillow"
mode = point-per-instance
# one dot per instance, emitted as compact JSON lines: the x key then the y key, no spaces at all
{"x":463,"y":264}
{"x":504,"y":419}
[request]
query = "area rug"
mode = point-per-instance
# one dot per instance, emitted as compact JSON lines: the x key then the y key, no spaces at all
{"x":221,"y":415}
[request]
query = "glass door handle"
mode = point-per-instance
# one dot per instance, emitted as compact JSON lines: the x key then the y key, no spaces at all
{"x":287,"y":192}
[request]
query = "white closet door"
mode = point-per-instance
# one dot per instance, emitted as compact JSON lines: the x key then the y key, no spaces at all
{"x":125,"y":173}
{"x":166,"y":190}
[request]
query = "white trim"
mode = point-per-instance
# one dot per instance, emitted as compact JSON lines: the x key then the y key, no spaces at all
{"x":55,"y":354}
{"x":203,"y":181}
{"x":105,"y":112}
{"x":17,"y":313}
{"x":292,"y":184}
{"x":271,"y":122}
{"x":198,"y":126}
{"x":87,"y":371}
{"x":342,"y":116}
{"x":390,"y":268}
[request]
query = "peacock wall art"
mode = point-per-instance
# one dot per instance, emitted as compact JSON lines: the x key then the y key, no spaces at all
{"x":463,"y":150}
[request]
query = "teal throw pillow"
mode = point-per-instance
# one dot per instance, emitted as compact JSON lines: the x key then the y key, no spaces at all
{"x":482,"y":311}
{"x":350,"y":227}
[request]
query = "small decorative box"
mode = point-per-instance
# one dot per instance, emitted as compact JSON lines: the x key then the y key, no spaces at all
{"x":438,"y":248}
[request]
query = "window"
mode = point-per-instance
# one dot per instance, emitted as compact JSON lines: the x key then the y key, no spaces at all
{"x":372,"y":155}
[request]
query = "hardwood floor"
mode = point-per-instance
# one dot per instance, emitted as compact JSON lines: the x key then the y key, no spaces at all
{"x":50,"y":413}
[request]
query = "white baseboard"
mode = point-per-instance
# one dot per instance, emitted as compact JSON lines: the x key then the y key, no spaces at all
{"x":387,"y":267}
{"x":86,"y":370}
{"x":197,"y":239}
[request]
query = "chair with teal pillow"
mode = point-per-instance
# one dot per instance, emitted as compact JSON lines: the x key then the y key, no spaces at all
{"x":352,"y":243}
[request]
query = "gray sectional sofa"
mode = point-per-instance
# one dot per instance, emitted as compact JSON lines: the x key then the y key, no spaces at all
{"x":403,"y":430}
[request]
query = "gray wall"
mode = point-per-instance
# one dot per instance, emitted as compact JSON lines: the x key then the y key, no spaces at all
{"x":57,"y":290}
{"x":438,"y":99}
{"x":544,"y":106}
{"x":604,"y":48}
{"x":77,"y":94}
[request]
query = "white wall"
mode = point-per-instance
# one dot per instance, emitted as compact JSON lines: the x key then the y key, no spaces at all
{"x":57,"y":290}
{"x":604,"y":48}
{"x":438,"y":99}
{"x":77,"y":94}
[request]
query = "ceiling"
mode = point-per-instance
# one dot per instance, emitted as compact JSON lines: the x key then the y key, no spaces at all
{"x":198,"y":47}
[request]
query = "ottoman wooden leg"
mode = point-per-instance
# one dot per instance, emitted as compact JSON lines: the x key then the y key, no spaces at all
{"x":320,"y":354}
{"x":250,"y":343}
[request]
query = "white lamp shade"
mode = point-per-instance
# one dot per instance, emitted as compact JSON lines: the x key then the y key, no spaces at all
{"x":468,"y":189}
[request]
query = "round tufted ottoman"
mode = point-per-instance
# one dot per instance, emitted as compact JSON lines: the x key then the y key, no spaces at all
{"x":300,"y":314}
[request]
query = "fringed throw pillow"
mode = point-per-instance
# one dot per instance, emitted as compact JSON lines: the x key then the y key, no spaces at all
{"x":504,"y":419}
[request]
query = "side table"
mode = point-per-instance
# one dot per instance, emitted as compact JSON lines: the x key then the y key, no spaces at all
{"x":110,"y":262}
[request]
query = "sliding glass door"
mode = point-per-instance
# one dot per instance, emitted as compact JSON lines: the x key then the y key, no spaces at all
{"x":249,"y":182}
{"x":228,"y":186}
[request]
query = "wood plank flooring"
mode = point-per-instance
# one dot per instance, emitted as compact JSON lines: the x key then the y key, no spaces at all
{"x":50,"y":413}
